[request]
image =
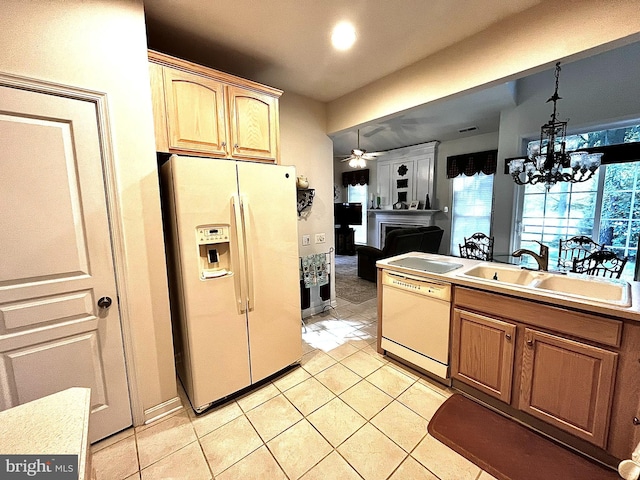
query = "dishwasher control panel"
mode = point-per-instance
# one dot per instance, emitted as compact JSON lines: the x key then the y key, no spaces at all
{"x":421,"y":286}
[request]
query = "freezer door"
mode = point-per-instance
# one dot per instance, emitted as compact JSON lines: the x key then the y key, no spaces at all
{"x":210,"y":328}
{"x":268,"y":196}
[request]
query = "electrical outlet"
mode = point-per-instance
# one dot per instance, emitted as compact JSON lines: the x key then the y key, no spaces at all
{"x":306,"y":240}
{"x":319,"y":237}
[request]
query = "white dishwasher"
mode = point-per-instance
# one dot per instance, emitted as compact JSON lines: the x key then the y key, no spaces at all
{"x":415,"y":321}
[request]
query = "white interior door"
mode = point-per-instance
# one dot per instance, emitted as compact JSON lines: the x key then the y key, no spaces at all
{"x":56,"y":260}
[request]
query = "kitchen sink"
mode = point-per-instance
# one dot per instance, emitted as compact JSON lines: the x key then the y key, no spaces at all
{"x":591,"y":288}
{"x":594,"y":289}
{"x":502,"y":274}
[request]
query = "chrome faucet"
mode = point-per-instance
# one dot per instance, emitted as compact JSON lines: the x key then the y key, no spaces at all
{"x":542,"y":259}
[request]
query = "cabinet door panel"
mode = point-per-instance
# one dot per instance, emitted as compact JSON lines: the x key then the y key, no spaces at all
{"x":483,"y":352}
{"x":195,"y":113}
{"x":254,"y":120}
{"x":568,"y":384}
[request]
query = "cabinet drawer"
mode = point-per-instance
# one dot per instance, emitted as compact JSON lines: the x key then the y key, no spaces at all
{"x":570,"y":322}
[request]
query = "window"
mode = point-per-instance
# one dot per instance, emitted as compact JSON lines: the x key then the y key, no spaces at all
{"x":605,"y":208}
{"x":472,"y":206}
{"x":358,"y":194}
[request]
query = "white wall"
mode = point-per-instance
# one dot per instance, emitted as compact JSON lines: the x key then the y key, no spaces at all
{"x":101,"y":46}
{"x":524,"y":43}
{"x":304,"y":143}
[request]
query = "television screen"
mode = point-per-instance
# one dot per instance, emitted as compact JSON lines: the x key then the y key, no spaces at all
{"x":347,"y":214}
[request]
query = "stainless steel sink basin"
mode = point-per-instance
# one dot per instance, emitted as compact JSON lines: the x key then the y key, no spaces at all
{"x":594,"y":289}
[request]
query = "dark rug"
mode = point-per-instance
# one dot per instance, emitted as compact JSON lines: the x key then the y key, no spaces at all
{"x":506,"y":449}
{"x":348,"y":286}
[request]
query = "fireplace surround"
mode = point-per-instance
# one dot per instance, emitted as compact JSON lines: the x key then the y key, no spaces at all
{"x":387,"y":220}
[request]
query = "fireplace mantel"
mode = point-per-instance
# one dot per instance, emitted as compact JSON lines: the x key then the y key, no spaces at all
{"x":401,"y":218}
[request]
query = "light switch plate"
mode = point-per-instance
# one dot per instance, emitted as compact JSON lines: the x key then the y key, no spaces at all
{"x":306,"y":240}
{"x":320,"y":238}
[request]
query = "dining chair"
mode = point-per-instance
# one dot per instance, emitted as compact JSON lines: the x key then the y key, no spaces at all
{"x":575,"y":248}
{"x":602,"y":263}
{"x":478,"y":247}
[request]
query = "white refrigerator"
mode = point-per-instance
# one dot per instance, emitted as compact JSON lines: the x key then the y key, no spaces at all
{"x":231,"y":231}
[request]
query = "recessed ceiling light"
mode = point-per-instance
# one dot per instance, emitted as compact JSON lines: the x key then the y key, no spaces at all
{"x":343,"y":36}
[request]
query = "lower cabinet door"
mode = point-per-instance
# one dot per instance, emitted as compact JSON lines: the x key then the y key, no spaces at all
{"x":568,"y":384}
{"x":482,"y":353}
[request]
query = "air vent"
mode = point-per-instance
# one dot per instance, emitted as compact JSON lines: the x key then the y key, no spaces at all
{"x":468,"y":129}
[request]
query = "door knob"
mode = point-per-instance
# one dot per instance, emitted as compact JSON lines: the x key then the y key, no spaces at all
{"x":104,"y":302}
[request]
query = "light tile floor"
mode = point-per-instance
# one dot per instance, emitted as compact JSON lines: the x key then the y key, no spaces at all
{"x":345,"y":413}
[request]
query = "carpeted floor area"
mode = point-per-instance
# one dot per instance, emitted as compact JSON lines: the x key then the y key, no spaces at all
{"x":348,"y":286}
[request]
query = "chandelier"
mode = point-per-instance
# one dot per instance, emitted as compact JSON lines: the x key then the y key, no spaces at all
{"x":547,"y":160}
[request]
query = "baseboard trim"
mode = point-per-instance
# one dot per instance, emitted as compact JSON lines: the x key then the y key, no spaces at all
{"x":162,"y":410}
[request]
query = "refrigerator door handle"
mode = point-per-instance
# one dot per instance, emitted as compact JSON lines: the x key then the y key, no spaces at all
{"x":239,"y":255}
{"x":246,"y":222}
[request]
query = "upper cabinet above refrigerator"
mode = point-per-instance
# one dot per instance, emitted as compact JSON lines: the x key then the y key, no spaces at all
{"x":204,"y":112}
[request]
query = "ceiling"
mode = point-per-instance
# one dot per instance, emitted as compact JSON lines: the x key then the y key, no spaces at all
{"x":286,"y":44}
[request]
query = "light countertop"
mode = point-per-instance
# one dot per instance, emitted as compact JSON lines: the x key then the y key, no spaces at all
{"x":455,"y":277}
{"x":57,"y":424}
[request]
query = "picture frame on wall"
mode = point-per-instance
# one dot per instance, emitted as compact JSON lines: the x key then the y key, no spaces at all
{"x":414,"y":205}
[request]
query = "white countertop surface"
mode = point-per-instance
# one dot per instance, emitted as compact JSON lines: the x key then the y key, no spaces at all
{"x":57,"y":424}
{"x":454,"y":277}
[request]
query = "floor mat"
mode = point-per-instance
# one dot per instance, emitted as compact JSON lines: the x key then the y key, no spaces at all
{"x":506,"y":449}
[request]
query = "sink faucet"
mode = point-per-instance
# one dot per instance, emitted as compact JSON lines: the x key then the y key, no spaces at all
{"x":542,"y":258}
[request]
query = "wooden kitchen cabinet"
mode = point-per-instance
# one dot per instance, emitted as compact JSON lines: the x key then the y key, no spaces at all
{"x":567,"y":384}
{"x":253,"y":124}
{"x":482,"y":353}
{"x":201,"y":111}
{"x":507,"y":348}
{"x":196,"y":114}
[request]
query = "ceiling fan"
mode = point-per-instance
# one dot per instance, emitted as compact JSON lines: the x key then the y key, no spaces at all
{"x":359,"y":156}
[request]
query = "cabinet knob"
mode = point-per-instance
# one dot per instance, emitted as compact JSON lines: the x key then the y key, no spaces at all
{"x":530,"y":343}
{"x":636,"y":421}
{"x":235,"y":146}
{"x":224,"y":144}
{"x":508,"y":336}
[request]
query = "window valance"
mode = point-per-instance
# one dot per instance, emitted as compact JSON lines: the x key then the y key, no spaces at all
{"x":471,"y":163}
{"x":355,"y":177}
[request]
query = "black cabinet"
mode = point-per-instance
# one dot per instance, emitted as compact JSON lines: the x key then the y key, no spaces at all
{"x":345,"y":243}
